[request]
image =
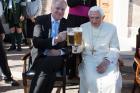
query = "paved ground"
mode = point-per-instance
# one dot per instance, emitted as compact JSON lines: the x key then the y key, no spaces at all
{"x":15,"y":63}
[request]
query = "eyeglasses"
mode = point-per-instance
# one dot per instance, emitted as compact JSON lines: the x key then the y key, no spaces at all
{"x":60,"y":8}
{"x":96,"y":18}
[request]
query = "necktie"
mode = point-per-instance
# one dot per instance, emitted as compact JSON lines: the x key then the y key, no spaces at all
{"x":55,"y":26}
{"x":54,"y":32}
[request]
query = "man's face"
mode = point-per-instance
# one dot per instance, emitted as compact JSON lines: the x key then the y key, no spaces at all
{"x":58,"y":10}
{"x":95,"y":18}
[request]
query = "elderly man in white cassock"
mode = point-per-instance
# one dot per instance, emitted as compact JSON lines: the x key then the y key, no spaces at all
{"x":99,"y":70}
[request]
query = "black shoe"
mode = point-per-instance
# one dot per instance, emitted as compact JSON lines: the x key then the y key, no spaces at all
{"x":11,"y":81}
{"x":13,"y":47}
{"x":14,"y":83}
{"x":19,"y":48}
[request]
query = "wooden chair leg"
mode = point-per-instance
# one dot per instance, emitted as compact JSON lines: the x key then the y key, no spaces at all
{"x":25,"y":89}
{"x":138,"y":88}
{"x":25,"y":85}
{"x":58,"y":90}
{"x":64,"y":89}
{"x":134,"y":86}
{"x":64,"y":84}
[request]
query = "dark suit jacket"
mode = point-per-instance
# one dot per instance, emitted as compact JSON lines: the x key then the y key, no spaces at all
{"x":44,"y":41}
{"x":1,"y":28}
{"x":1,"y":31}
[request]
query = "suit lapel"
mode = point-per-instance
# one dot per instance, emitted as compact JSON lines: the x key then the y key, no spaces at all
{"x":61,"y":25}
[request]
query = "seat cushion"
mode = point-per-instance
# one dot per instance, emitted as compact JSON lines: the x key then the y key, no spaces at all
{"x":29,"y":74}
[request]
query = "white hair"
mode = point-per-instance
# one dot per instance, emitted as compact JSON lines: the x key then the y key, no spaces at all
{"x":60,"y":1}
{"x":97,"y":9}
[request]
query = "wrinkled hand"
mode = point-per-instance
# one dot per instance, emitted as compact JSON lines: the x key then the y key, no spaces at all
{"x":54,"y":52}
{"x":103,"y":66}
{"x":61,"y":37}
{"x":2,"y":36}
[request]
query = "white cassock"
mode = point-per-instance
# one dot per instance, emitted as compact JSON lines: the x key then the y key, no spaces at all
{"x":97,"y":44}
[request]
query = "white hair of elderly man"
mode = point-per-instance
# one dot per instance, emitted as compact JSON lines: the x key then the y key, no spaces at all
{"x":96,"y":9}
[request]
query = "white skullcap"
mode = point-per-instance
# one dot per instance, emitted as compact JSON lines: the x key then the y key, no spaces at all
{"x":97,"y":9}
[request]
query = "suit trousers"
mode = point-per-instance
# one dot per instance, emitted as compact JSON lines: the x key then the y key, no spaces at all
{"x":3,"y":62}
{"x":45,"y":73}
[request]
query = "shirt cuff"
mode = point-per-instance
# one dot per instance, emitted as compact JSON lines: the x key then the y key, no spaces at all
{"x":61,"y":52}
{"x":53,"y":43}
{"x":108,"y":59}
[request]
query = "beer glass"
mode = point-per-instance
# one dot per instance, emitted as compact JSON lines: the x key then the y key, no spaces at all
{"x":28,"y":0}
{"x":70,"y":37}
{"x":77,"y":36}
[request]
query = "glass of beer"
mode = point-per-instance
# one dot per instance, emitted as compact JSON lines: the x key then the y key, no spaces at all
{"x":70,"y":37}
{"x":77,"y":36}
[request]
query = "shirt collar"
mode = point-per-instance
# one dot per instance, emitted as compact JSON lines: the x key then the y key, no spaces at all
{"x":52,"y":19}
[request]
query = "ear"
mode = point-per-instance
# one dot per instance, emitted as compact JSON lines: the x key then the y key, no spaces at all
{"x":103,"y":17}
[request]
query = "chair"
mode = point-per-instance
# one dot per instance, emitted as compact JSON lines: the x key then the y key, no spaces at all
{"x":27,"y":75}
{"x":137,"y":75}
{"x":136,"y":64}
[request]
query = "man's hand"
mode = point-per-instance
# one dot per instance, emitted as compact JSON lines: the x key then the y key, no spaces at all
{"x":32,"y":19}
{"x":2,"y":36}
{"x":103,"y":66}
{"x":60,"y":37}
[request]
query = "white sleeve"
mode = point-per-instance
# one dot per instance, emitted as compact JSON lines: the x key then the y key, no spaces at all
{"x":113,"y":54}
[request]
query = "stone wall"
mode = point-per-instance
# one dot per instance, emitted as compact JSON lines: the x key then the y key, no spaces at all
{"x":46,"y":6}
{"x":134,"y":7}
{"x":133,"y":21}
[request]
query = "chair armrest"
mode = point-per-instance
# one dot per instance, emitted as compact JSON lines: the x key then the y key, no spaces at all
{"x":24,"y":58}
{"x":137,"y":75}
{"x":137,"y":60}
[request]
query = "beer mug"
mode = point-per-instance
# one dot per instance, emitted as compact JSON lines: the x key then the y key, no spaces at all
{"x":70,"y":37}
{"x":77,"y":36}
{"x":28,"y":0}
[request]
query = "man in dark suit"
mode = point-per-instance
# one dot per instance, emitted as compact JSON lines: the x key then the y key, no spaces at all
{"x":3,"y":60}
{"x":49,"y":39}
